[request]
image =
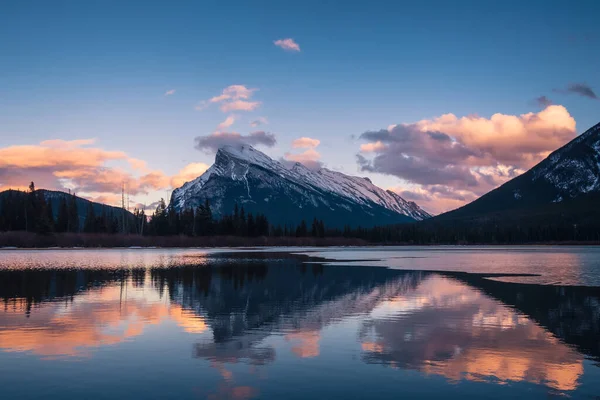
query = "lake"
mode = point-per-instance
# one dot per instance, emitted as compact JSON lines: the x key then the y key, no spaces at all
{"x":458,"y":322}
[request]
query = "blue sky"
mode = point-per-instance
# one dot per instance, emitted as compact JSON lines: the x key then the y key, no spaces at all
{"x":100,"y":69}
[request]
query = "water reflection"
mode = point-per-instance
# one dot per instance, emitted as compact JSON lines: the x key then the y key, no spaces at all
{"x":259,"y":311}
{"x":445,"y":328}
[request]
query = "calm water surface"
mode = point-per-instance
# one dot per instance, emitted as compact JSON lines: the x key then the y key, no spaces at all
{"x":247,"y":325}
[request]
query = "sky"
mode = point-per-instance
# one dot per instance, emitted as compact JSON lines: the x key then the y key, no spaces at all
{"x":439,"y":101}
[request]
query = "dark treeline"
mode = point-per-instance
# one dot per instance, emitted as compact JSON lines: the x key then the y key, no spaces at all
{"x":32,"y":212}
{"x":201,"y":222}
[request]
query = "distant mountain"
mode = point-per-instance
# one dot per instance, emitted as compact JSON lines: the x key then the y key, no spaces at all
{"x":567,"y":180}
{"x":54,"y":197}
{"x":246,"y":176}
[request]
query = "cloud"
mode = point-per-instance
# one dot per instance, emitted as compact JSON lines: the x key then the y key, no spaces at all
{"x":466,"y":156}
{"x":259,"y":121}
{"x":203,"y":105}
{"x":211,"y":143}
{"x":580,"y":89}
{"x":543,"y":101}
{"x":305,"y":143}
{"x":230,"y":120}
{"x":234,"y":92}
{"x":287,"y":44}
{"x":372,"y":147}
{"x":232,"y":98}
{"x":240,"y":105}
{"x":170,"y":92}
{"x":79,"y":165}
{"x":310,"y":157}
{"x":188,"y":173}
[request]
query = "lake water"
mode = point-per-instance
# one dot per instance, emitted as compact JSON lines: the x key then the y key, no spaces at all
{"x":318,"y":324}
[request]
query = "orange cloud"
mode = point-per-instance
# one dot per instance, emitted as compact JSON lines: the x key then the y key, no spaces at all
{"x":372,"y":147}
{"x":522,"y":139}
{"x":449,"y":161}
{"x":188,"y":173}
{"x":85,"y":169}
{"x":57,"y":153}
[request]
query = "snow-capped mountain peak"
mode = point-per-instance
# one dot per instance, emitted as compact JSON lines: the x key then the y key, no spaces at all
{"x":245,"y":175}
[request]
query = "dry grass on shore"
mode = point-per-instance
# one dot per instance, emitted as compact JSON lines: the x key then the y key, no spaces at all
{"x":66,"y":240}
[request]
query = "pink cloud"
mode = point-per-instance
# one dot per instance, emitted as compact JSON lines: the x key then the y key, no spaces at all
{"x":170,"y":92}
{"x":234,"y":92}
{"x":309,"y":158}
{"x":240,"y":105}
{"x":287,"y":44}
{"x":449,"y":161}
{"x":232,"y":98}
{"x":305,"y":143}
{"x":230,"y":120}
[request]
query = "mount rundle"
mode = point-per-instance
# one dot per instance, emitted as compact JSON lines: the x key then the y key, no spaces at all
{"x":248,"y":177}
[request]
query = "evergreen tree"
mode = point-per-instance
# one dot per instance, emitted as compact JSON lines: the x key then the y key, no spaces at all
{"x":89,"y":225}
{"x":251,"y":226}
{"x":73,"y":215}
{"x":62,"y":219}
{"x":301,"y":230}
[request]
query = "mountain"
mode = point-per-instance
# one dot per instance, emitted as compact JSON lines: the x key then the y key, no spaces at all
{"x":54,"y":197}
{"x":567,"y":180}
{"x":285,"y":195}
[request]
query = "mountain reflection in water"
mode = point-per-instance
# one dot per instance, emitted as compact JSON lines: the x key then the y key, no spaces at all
{"x":259,"y":311}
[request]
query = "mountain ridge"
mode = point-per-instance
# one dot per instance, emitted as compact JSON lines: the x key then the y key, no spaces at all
{"x":570,"y":172}
{"x":260,"y":183}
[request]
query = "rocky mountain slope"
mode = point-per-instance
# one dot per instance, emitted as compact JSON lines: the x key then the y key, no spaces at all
{"x":568,"y":175}
{"x":250,"y":178}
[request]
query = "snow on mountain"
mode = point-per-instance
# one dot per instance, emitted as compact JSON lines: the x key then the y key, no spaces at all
{"x":575,"y":168}
{"x":570,"y":172}
{"x":256,"y":179}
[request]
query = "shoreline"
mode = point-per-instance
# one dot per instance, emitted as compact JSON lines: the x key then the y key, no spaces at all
{"x":32,"y":241}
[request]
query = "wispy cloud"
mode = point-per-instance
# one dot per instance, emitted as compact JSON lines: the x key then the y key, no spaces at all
{"x":170,"y":92}
{"x":230,"y":120}
{"x":259,"y":121}
{"x":232,"y":98}
{"x":580,"y":89}
{"x":287,"y":44}
{"x":543,"y":101}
